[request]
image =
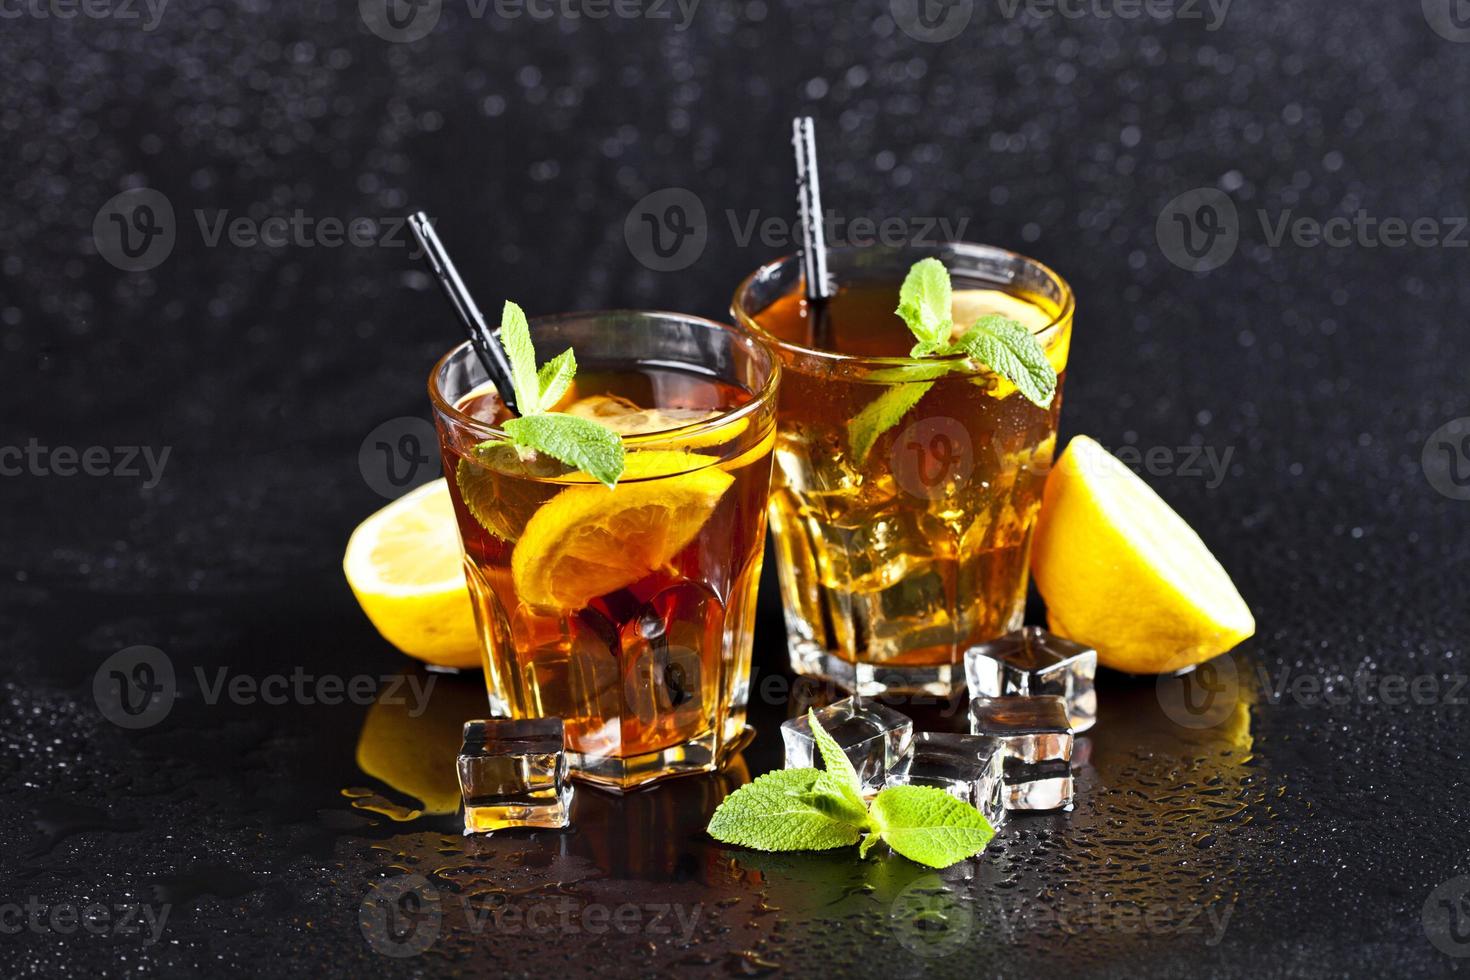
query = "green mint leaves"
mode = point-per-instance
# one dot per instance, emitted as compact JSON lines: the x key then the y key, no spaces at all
{"x":882,"y":414}
{"x":925,"y":304}
{"x":817,"y":810}
{"x":575,"y":441}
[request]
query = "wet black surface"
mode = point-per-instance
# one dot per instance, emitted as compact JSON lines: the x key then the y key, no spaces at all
{"x":1301,"y":825}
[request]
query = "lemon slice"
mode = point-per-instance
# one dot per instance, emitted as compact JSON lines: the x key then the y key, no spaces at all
{"x":627,"y":419}
{"x":588,"y":541}
{"x":1122,"y":572}
{"x":405,"y":568}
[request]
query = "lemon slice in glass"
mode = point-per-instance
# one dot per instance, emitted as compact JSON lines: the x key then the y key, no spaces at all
{"x":588,"y":541}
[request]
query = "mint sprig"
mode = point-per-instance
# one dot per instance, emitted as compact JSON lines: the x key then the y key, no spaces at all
{"x":820,"y":809}
{"x":925,"y":304}
{"x":575,"y":441}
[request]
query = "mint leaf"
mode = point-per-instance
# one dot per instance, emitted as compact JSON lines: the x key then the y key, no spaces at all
{"x":1011,"y":351}
{"x":924,"y":303}
{"x":830,"y":795}
{"x":554,"y":378}
{"x":927,"y":825}
{"x":576,"y":441}
{"x":515,"y":337}
{"x":835,"y":761}
{"x":882,"y":414}
{"x":771,"y":814}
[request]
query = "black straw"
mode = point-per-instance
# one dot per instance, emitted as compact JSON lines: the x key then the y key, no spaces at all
{"x":487,"y":348}
{"x":813,"y":232}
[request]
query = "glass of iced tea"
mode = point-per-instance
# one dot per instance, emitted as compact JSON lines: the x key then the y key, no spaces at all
{"x":626,"y":612}
{"x":895,"y":553}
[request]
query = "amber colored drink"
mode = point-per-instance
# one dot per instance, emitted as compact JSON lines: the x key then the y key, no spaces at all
{"x":626,"y":612}
{"x":894,"y":557}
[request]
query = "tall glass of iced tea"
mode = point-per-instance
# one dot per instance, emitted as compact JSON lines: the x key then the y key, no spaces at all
{"x":897,"y":552}
{"x":626,"y":612}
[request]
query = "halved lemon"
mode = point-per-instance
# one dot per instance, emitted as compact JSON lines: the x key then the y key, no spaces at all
{"x":588,"y":541}
{"x":403,"y":564}
{"x":1122,"y":572}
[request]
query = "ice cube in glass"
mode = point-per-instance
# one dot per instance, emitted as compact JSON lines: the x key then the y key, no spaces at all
{"x":1034,"y":661}
{"x":1042,"y":787}
{"x":513,"y":773}
{"x":967,"y":767}
{"x":1030,"y":729}
{"x":877,"y":739}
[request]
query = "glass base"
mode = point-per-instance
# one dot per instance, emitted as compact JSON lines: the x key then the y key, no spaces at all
{"x":871,"y":680}
{"x":620,"y":775}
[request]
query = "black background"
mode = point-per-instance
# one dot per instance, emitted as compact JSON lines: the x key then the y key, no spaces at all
{"x":1316,"y":819}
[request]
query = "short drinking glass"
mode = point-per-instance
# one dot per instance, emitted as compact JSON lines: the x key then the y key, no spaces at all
{"x":902,"y":514}
{"x":625,"y":612}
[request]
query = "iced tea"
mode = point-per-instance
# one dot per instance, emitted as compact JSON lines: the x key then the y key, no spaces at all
{"x":626,"y":612}
{"x":897,"y":554}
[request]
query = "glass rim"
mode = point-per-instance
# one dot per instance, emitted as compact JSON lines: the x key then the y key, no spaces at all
{"x":764,"y":396}
{"x":975,"y":249}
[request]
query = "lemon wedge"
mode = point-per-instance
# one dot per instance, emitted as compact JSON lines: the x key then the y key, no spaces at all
{"x":1122,"y":572}
{"x":588,"y":541}
{"x":405,"y":568}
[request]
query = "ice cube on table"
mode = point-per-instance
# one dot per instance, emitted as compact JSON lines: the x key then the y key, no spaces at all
{"x":1034,"y":661}
{"x":513,"y":773}
{"x":1030,"y":729}
{"x":967,"y":767}
{"x":878,"y":740}
{"x":1042,"y":787}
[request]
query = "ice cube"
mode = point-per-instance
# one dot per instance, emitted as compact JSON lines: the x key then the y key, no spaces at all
{"x":664,"y":683}
{"x":967,"y":767}
{"x":626,"y":418}
{"x":878,"y":740}
{"x":1030,"y":729}
{"x":1034,"y":661}
{"x":1044,"y":787}
{"x":513,"y":773}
